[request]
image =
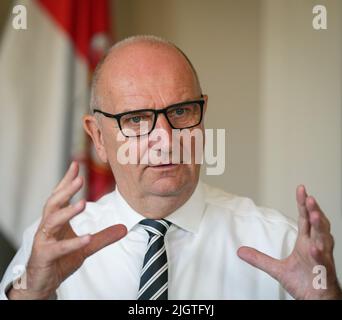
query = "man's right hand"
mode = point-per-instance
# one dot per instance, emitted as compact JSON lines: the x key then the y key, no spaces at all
{"x":57,"y":251}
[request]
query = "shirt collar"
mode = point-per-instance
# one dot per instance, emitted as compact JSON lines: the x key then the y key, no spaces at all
{"x":187,"y":217}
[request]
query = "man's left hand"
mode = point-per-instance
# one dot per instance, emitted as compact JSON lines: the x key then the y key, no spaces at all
{"x":313,"y":247}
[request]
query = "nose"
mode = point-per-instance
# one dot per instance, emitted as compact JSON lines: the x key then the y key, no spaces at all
{"x":163,"y":123}
{"x":163,"y":131}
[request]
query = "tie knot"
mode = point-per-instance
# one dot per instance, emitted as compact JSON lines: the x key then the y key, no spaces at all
{"x":155,"y":227}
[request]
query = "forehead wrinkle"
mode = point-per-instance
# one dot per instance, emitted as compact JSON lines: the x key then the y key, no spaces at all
{"x":131,"y":102}
{"x":120,"y":92}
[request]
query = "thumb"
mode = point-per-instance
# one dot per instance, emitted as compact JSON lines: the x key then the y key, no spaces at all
{"x":261,"y":261}
{"x":104,"y":238}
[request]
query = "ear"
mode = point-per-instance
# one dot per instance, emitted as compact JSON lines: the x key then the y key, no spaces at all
{"x":91,"y":126}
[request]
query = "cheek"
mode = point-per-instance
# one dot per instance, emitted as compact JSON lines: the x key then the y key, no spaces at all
{"x":194,"y":150}
{"x":123,"y":156}
{"x":112,"y":142}
{"x":142,"y":147}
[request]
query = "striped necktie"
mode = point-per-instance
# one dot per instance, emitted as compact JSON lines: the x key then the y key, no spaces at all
{"x":154,"y":274}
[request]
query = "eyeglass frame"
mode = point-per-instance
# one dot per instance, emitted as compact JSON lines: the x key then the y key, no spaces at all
{"x":156,"y":113}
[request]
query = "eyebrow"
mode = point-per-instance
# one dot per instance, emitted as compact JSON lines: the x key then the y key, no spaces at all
{"x":125,"y":110}
{"x":169,"y":105}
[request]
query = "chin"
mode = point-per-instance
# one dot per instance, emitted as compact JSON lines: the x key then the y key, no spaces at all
{"x":168,"y":186}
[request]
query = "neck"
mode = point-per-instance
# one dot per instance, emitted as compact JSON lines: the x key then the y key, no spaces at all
{"x":154,"y":206}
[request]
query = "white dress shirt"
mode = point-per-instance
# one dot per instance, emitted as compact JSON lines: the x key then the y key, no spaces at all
{"x":201,"y":246}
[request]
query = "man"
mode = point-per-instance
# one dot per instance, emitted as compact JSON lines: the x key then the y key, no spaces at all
{"x":162,"y":234}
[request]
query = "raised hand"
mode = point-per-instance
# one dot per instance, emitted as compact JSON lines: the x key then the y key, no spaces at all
{"x":57,"y":251}
{"x":314,"y":246}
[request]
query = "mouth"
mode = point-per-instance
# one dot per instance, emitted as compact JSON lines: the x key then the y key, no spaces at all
{"x":164,"y":166}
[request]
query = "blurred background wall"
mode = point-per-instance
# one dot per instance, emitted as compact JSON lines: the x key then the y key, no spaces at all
{"x":274,"y":83}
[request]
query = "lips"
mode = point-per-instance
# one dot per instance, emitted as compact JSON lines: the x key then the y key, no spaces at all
{"x":165,"y":165}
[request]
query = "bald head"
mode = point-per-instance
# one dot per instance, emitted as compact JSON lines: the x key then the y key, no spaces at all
{"x":141,"y":63}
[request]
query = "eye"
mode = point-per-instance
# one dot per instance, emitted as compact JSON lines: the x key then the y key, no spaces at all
{"x":136,"y":119}
{"x":179,"y":111}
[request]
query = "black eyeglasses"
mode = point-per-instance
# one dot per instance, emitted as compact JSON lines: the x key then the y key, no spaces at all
{"x":183,"y":115}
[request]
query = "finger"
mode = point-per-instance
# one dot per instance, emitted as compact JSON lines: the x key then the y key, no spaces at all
{"x":320,"y":225}
{"x":320,"y":234}
{"x":64,"y":247}
{"x":303,"y":220}
{"x":313,"y":206}
{"x":54,"y":222}
{"x":105,"y":238}
{"x":62,"y":197}
{"x":261,"y":261}
{"x":322,"y":240}
{"x":70,"y":175}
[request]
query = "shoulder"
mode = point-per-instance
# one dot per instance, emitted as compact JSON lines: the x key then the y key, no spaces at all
{"x":247,"y":224}
{"x":244,"y":209}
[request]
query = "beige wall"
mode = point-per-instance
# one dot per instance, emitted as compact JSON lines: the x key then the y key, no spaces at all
{"x":273,"y":82}
{"x":300,"y":115}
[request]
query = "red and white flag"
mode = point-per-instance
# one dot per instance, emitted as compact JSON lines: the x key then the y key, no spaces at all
{"x":44,"y":91}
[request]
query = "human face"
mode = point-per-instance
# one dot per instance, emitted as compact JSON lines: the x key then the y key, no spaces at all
{"x":145,"y":76}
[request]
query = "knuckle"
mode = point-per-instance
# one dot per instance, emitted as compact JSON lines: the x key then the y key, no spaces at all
{"x":50,"y":202}
{"x":63,"y":247}
{"x":49,"y":222}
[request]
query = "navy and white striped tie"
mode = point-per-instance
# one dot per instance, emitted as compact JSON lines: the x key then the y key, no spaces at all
{"x":154,"y":274}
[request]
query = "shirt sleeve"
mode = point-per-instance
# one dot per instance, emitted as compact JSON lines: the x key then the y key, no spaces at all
{"x":18,"y":264}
